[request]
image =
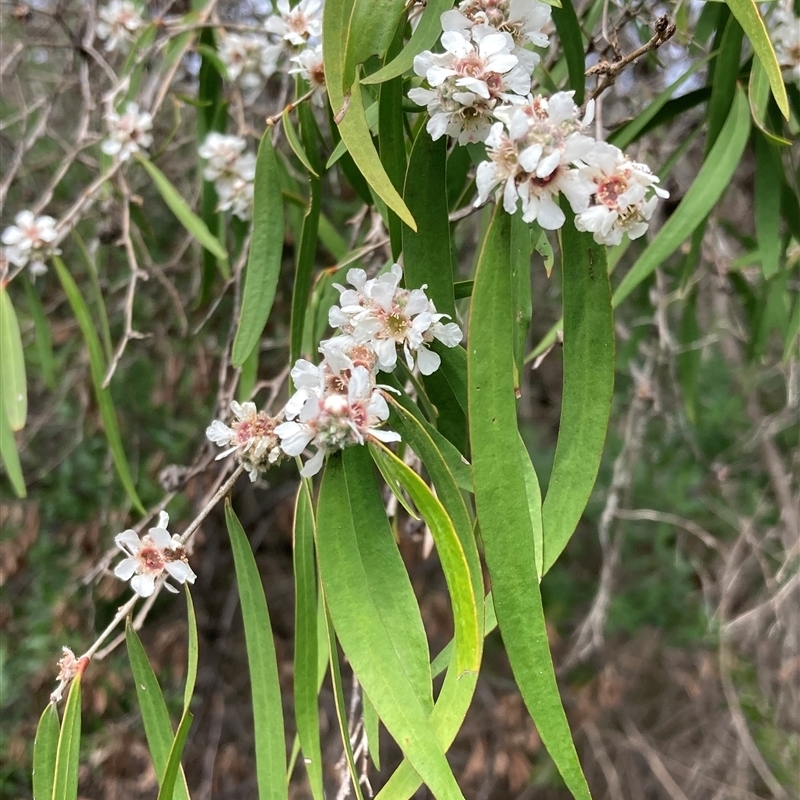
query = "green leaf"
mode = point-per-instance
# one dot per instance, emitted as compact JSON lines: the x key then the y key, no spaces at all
{"x":97,"y":370}
{"x":339,"y":703}
{"x":97,"y":293}
{"x":173,"y":767}
{"x":266,"y":253}
{"x":267,"y":707}
{"x":65,"y":777}
{"x":372,"y":728}
{"x":306,"y":255}
{"x":180,"y":208}
{"x":157,"y":727}
{"x":588,"y":387}
{"x":501,"y":499}
{"x":467,"y":624}
{"x":424,"y":37}
{"x":306,"y":711}
{"x":15,"y":390}
{"x":363,"y":577}
{"x":297,"y":147}
{"x":533,"y":493}
{"x":758,"y":95}
{"x":768,"y":176}
{"x":193,"y":649}
{"x":45,"y":750}
{"x":341,"y":148}
{"x":9,"y":454}
{"x":373,"y":26}
{"x":42,"y":334}
{"x":746,"y":12}
{"x":426,"y":251}
{"x":569,"y":32}
{"x":712,"y":180}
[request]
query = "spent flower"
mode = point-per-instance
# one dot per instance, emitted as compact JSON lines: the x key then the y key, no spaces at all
{"x":250,"y":435}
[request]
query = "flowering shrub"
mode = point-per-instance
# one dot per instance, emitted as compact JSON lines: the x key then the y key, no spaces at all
{"x":395,"y":358}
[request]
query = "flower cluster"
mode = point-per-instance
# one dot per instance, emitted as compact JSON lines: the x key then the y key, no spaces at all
{"x":251,"y":435}
{"x":29,"y":241}
{"x":128,"y":133}
{"x":149,"y":557}
{"x":785,"y":35}
{"x":249,"y":59}
{"x":338,"y":403}
{"x":541,"y":150}
{"x":484,"y":66}
{"x":232,"y":171}
{"x":291,"y":32}
{"x":117,"y":24}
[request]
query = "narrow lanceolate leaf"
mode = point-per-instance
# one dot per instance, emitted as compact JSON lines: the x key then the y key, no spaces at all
{"x":426,"y":251}
{"x":344,"y":92}
{"x":97,"y":369}
{"x":157,"y":727}
{"x":261,"y":659}
{"x":180,"y":208}
{"x":359,"y":566}
{"x":44,"y":337}
{"x":533,"y":492}
{"x":193,"y":649}
{"x":266,"y":251}
{"x":746,"y":12}
{"x":569,"y":32}
{"x":424,"y":37}
{"x":306,"y":710}
{"x":712,"y":180}
{"x":588,"y":387}
{"x":758,"y":94}
{"x":305,"y":269}
{"x":9,"y":454}
{"x":172,"y":771}
{"x":501,"y":499}
{"x":15,"y":392}
{"x":45,"y":748}
{"x":65,"y":778}
{"x":457,"y":690}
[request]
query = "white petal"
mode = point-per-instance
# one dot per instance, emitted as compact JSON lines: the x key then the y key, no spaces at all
{"x":313,"y":466}
{"x":126,"y":568}
{"x":181,"y":571}
{"x":427,"y":361}
{"x":144,"y":585}
{"x":129,"y":541}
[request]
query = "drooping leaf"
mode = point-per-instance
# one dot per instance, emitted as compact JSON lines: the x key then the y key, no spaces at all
{"x":306,"y":711}
{"x":15,"y":390}
{"x":9,"y":453}
{"x":588,"y":387}
{"x":570,"y":36}
{"x":157,"y":726}
{"x":305,"y":268}
{"x":42,"y":334}
{"x":97,"y":370}
{"x":424,"y":37}
{"x":359,"y":563}
{"x":45,"y":750}
{"x":266,"y":252}
{"x":768,"y":176}
{"x":748,"y":16}
{"x":711,"y":181}
{"x":501,"y":499}
{"x":263,"y":666}
{"x":65,"y":777}
{"x":180,"y":208}
{"x":173,"y":768}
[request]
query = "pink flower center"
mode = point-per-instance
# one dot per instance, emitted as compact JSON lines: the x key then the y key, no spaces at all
{"x":151,"y":559}
{"x":609,"y":190}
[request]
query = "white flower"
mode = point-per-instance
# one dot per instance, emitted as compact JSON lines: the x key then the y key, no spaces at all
{"x":232,"y":170}
{"x":625,"y":195}
{"x":331,"y":421}
{"x":249,"y":59}
{"x":380,"y":314}
{"x":29,"y":241}
{"x":251,"y":436}
{"x":296,"y":26}
{"x":523,"y":20}
{"x":310,"y":67}
{"x":534,"y":153}
{"x":118,"y":21}
{"x":785,"y":35}
{"x":150,"y":556}
{"x":128,"y":133}
{"x":468,"y":81}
